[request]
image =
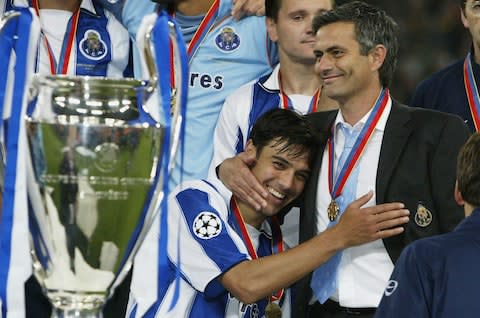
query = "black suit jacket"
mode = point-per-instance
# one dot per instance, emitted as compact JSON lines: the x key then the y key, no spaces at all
{"x":417,"y":165}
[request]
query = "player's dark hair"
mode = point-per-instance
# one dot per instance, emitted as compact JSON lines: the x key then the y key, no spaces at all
{"x":468,"y":170}
{"x":286,"y":128}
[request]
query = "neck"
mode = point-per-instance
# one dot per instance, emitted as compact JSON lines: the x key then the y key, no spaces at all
{"x":298,"y":79}
{"x":468,"y":209}
{"x":194,"y":7}
{"x":67,"y":5}
{"x":250,"y":216}
{"x":354,"y":108}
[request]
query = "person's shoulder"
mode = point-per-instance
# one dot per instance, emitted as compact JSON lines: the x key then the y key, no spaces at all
{"x":428,"y":115}
{"x":444,"y":75}
{"x":431,"y":249}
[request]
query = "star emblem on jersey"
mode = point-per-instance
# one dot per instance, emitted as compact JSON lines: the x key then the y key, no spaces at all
{"x":207,"y":225}
{"x":227,"y":40}
{"x":92,"y":46}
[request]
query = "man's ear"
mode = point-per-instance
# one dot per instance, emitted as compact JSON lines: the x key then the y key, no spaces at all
{"x":458,"y":195}
{"x":464,"y":18}
{"x":377,"y":56}
{"x":271,"y":29}
{"x":250,"y":148}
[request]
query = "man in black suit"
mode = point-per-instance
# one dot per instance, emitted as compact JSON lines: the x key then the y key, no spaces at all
{"x":405,"y":154}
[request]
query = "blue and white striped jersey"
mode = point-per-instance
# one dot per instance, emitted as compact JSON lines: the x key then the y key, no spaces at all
{"x":200,"y":221}
{"x":239,"y":112}
{"x":102,"y":46}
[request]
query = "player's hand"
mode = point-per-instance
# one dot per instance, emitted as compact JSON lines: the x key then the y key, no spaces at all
{"x":236,"y":175}
{"x":248,"y":7}
{"x":359,"y":225}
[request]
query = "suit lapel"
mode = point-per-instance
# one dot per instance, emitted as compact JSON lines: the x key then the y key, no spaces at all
{"x":321,"y":122}
{"x":397,"y":131}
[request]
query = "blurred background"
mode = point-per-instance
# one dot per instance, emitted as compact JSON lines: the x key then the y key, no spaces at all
{"x":432,"y":36}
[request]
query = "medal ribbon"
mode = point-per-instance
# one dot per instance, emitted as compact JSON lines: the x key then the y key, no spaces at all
{"x":472,"y":91}
{"x":357,"y":148}
{"x":203,"y":28}
{"x":67,"y":45}
{"x":286,"y":103}
{"x":277,"y":239}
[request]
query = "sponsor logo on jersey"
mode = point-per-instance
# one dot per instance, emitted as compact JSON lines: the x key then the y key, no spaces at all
{"x":92,"y":46}
{"x":207,"y":225}
{"x":227,"y":40}
{"x":206,"y":80}
{"x":391,"y":287}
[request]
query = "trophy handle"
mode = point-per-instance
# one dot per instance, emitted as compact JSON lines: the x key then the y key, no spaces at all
{"x":177,"y":89}
{"x":4,"y":21}
{"x":9,"y":15}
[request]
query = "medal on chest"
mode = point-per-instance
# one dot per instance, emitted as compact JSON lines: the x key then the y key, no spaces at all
{"x":273,"y":310}
{"x":335,"y":189}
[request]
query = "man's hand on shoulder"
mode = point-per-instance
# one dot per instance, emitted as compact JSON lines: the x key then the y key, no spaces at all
{"x":248,"y":7}
{"x":359,"y":225}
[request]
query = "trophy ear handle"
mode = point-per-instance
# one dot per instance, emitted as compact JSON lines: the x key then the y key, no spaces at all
{"x":177,"y":90}
{"x":7,"y":17}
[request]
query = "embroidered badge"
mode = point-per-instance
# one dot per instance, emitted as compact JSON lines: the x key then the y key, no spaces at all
{"x":92,"y":46}
{"x":391,"y":287}
{"x":207,"y":225}
{"x":423,"y":217}
{"x":227,"y":40}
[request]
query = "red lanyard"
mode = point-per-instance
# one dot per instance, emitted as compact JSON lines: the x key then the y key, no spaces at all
{"x":286,"y":103}
{"x":62,"y":66}
{"x":277,"y":239}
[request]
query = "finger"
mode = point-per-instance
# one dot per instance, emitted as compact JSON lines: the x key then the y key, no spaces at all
{"x":391,"y":223}
{"x":391,"y":214}
{"x":362,"y":200}
{"x":238,"y":9}
{"x":247,"y":158}
{"x":383,"y":208}
{"x":260,"y":12}
{"x":388,"y":233}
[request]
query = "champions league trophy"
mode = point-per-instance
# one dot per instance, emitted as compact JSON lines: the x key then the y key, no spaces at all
{"x":97,"y":171}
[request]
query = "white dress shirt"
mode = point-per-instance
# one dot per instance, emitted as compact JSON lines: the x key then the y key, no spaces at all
{"x":364,"y":270}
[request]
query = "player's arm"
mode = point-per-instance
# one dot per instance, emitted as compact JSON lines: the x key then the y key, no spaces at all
{"x":252,"y":280}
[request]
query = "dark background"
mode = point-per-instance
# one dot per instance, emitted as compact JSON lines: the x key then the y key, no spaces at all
{"x":432,"y":36}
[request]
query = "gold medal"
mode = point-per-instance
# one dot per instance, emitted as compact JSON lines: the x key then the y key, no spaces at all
{"x":273,"y":310}
{"x":333,"y":210}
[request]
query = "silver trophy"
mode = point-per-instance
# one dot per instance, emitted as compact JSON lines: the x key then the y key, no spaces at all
{"x":95,"y":180}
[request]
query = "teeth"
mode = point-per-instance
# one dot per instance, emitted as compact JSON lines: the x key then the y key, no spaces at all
{"x":275,"y":193}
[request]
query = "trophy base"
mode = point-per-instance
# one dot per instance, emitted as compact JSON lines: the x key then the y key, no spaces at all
{"x":78,"y":305}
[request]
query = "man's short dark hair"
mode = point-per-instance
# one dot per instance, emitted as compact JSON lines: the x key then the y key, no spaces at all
{"x":372,"y":27}
{"x":468,"y":170}
{"x":462,"y":4}
{"x":287,"y":128}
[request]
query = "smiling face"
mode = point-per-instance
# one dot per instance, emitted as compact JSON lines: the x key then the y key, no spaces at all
{"x":282,"y":173}
{"x":344,"y":71}
{"x":292,"y":28}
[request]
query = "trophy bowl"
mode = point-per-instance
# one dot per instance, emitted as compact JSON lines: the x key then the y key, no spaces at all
{"x":94,"y":185}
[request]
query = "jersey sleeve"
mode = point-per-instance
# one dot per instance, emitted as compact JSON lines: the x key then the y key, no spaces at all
{"x":230,"y":134}
{"x":209,"y":246}
{"x":408,"y":291}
